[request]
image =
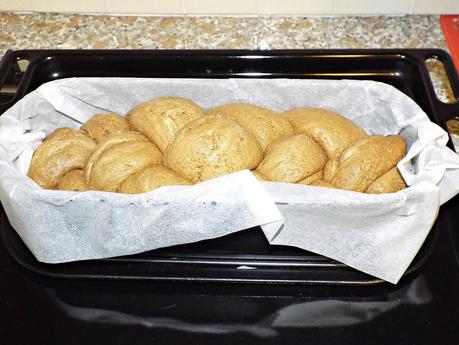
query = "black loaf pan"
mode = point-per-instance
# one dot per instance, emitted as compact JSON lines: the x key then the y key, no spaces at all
{"x":244,"y":257}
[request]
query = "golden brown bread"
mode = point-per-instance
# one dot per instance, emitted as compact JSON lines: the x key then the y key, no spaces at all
{"x":65,"y":149}
{"x":391,"y":182}
{"x":331,"y":130}
{"x":292,"y":158}
{"x":327,"y":150}
{"x":259,"y":176}
{"x":161,"y":118}
{"x":321,"y":183}
{"x":150,"y":178}
{"x":266,"y":125}
{"x":330,"y":170}
{"x":357,"y":146}
{"x":311,"y":178}
{"x":366,"y":160}
{"x":106,"y":144}
{"x":73,"y":181}
{"x":101,"y":126}
{"x":65,"y":133}
{"x":212,"y":146}
{"x":118,"y":157}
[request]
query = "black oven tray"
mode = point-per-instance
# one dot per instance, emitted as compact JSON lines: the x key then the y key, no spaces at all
{"x":244,"y":257}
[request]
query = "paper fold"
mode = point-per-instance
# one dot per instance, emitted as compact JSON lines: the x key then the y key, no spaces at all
{"x":81,"y":226}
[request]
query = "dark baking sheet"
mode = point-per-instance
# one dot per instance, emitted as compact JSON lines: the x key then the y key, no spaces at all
{"x":244,"y":257}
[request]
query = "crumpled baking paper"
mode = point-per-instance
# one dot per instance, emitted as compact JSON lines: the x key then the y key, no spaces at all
{"x":376,"y":234}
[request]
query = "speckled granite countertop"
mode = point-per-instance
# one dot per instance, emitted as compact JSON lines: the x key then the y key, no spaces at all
{"x":76,"y":31}
{"x":21,"y":31}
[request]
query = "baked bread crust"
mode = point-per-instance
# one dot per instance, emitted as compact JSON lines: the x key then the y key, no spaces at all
{"x":391,"y":182}
{"x":212,"y":146}
{"x":259,"y":175}
{"x":321,"y":183}
{"x":150,"y":178}
{"x":64,"y":150}
{"x":292,"y":158}
{"x":161,"y":118}
{"x":330,"y":170}
{"x":366,"y":160}
{"x":73,"y":181}
{"x":304,"y":145}
{"x":101,"y":126}
{"x":118,"y":157}
{"x":314,"y":177}
{"x":331,"y":130}
{"x":266,"y":125}
{"x":106,"y":144}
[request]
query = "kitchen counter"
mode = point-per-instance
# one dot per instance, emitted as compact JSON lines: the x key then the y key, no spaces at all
{"x":77,"y":31}
{"x":61,"y":31}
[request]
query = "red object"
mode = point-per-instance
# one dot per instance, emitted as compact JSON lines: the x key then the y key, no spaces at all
{"x":450,"y":27}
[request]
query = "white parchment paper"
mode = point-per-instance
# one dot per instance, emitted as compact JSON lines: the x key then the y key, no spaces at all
{"x":377,"y":234}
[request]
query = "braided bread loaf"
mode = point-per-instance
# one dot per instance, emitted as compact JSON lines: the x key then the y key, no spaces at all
{"x":64,"y":150}
{"x":173,"y":141}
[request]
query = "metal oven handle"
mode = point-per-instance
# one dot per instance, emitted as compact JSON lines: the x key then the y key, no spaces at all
{"x":16,"y":79}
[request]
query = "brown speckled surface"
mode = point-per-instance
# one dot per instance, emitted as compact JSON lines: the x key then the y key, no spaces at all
{"x":76,"y":31}
{"x":32,"y":31}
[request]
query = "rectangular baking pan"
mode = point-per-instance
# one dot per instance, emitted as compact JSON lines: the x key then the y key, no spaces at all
{"x":244,"y":257}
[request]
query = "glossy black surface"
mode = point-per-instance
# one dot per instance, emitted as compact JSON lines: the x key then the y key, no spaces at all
{"x":222,"y":260}
{"x":422,"y":309}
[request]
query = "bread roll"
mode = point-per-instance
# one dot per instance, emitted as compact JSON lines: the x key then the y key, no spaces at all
{"x":118,"y":157}
{"x":331,"y":130}
{"x":292,"y":158}
{"x":265,"y":124}
{"x":367,"y":160}
{"x":65,"y":149}
{"x":65,"y":133}
{"x":314,"y":177}
{"x":161,"y":118}
{"x":330,"y":170}
{"x":106,"y":144}
{"x":356,"y":147}
{"x":321,"y":183}
{"x":259,"y":175}
{"x":101,"y":126}
{"x":150,"y":178}
{"x":391,"y":182}
{"x":212,"y":146}
{"x":73,"y":181}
